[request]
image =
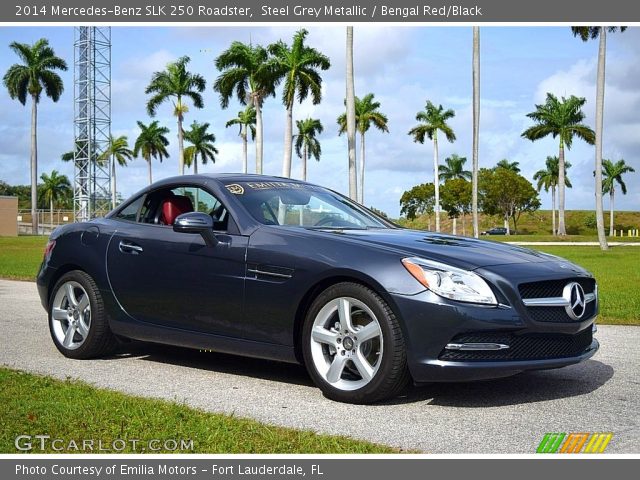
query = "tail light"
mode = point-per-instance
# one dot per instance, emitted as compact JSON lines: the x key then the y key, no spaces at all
{"x":49,"y":249}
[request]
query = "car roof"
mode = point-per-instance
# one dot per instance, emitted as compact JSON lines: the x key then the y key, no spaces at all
{"x":227,"y":178}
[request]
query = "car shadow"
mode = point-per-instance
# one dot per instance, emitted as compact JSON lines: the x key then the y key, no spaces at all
{"x":527,"y":387}
{"x":215,"y":362}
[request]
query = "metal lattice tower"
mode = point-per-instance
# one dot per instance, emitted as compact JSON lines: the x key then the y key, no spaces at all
{"x":92,"y":121}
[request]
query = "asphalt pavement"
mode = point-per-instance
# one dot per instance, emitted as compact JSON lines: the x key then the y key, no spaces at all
{"x":501,"y":416}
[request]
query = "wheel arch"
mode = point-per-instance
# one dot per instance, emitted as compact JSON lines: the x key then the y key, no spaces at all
{"x":60,"y":271}
{"x":320,"y":286}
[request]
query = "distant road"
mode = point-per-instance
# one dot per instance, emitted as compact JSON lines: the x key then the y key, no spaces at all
{"x":502,"y":416}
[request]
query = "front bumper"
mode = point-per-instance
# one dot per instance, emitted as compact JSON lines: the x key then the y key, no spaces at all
{"x":430,"y":323}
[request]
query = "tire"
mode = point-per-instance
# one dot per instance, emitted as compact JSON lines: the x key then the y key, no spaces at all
{"x":347,"y":368}
{"x":79,"y":326}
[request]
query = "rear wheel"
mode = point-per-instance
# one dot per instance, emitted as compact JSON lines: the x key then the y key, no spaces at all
{"x":353,"y":346}
{"x":77,"y":319}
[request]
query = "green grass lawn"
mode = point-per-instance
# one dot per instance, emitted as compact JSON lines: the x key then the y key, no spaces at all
{"x":617,"y":271}
{"x":553,"y":238}
{"x":71,"y":410}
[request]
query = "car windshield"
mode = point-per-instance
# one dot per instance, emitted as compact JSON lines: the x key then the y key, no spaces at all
{"x":303,"y":205}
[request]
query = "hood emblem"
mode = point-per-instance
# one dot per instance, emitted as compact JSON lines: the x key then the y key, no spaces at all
{"x":573,"y":293}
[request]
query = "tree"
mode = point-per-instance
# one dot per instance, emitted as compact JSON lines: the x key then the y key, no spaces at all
{"x":513,"y":166}
{"x":475,"y":72}
{"x":563,"y":119}
{"x":53,"y":189}
{"x":456,"y":200}
{"x":117,"y":151}
{"x":586,"y":33}
{"x":434,"y":119}
{"x":36,"y":73}
{"x":418,"y":201}
{"x":247,"y":120}
{"x":506,"y":193}
{"x":306,"y":141}
{"x":151,"y":143}
{"x":202,"y":145}
{"x":176,"y":83}
{"x":297,"y":66}
{"x":246,"y":74}
{"x":454,"y":168}
{"x":548,"y":179}
{"x":612,"y":174}
{"x":351,"y":118}
{"x":367,"y":113}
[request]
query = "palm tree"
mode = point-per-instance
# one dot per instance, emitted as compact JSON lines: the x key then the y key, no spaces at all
{"x":454,"y":168}
{"x":297,"y":66}
{"x":367,"y":113}
{"x":151,"y":143}
{"x":548,"y":179}
{"x":586,"y":33}
{"x":117,"y":151}
{"x":54,"y":187}
{"x":560,"y":118}
{"x":175,"y":83}
{"x":434,"y":119}
{"x":513,"y":166}
{"x":306,"y":141}
{"x":612,"y":174}
{"x":36,"y":73}
{"x":475,"y":72}
{"x":247,"y":120}
{"x":202,"y":145}
{"x":247,"y":74}
{"x":351,"y":118}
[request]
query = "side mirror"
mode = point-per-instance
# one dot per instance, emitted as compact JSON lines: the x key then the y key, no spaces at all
{"x":196,"y":222}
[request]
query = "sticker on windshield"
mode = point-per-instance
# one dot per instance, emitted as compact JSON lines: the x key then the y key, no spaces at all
{"x":235,"y":189}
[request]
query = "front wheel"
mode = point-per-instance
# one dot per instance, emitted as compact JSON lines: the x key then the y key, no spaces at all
{"x":353,"y":346}
{"x":77,"y":318}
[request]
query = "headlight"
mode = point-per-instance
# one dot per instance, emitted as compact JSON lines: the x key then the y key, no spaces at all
{"x":450,"y":282}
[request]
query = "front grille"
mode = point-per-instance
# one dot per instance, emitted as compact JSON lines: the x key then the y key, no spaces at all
{"x":553,"y":288}
{"x":559,"y":314}
{"x":530,"y":346}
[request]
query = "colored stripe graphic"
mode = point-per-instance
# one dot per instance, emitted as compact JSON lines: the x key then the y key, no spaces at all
{"x":574,"y":442}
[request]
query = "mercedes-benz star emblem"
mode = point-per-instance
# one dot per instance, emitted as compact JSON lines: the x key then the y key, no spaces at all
{"x":574,"y":294}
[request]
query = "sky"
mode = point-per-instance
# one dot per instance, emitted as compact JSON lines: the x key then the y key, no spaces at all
{"x":403,"y":66}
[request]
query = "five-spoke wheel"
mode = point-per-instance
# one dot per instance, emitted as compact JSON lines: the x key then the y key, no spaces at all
{"x":353,"y":346}
{"x":77,"y":318}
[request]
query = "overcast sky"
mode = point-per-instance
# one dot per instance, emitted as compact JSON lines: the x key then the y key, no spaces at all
{"x":402,"y":66}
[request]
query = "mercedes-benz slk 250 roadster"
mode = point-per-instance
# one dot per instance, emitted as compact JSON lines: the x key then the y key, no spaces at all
{"x":284,"y":270}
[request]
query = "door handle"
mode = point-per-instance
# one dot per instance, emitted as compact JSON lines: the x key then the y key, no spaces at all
{"x":128,"y":247}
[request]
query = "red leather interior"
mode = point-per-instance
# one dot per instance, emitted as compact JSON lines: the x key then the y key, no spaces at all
{"x":174,"y":206}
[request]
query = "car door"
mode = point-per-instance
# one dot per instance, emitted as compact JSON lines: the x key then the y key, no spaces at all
{"x":174,"y":279}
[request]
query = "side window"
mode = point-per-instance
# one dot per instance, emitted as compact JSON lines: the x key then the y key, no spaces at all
{"x":203,"y":201}
{"x":130,"y":212}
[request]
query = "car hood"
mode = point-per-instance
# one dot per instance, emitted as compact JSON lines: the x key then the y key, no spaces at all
{"x":462,"y":252}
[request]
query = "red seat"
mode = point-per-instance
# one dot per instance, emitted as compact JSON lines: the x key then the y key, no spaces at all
{"x":173,"y":206}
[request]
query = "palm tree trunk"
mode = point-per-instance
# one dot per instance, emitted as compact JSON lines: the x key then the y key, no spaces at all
{"x":149,"y":164}
{"x":561,"y":189}
{"x":51,"y":213}
{"x":602,"y":52}
{"x":244,"y":149}
{"x":304,"y":164}
{"x":464,"y":226}
{"x":361,"y":189}
{"x":180,"y":146}
{"x":454,"y":226}
{"x":195,"y":163}
{"x":611,"y":194}
{"x":258,"y":106}
{"x":476,"y":128}
{"x":553,"y":210}
{"x":507,"y":225}
{"x":288,"y":136}
{"x":436,"y":180}
{"x":34,"y":165}
{"x":113,"y":181}
{"x":351,"y":119}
